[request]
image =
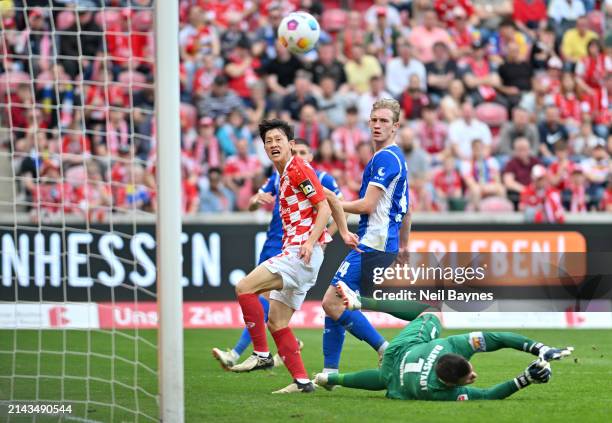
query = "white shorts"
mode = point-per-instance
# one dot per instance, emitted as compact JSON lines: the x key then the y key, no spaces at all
{"x":298,"y":277}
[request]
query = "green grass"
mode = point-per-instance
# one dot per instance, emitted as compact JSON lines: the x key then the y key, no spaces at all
{"x":579,"y":391}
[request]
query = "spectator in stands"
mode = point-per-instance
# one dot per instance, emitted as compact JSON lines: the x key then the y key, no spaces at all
{"x":417,"y":159}
{"x":576,"y":192}
{"x":481,"y":175}
{"x":541,"y":202}
{"x":561,"y":169}
{"x":478,"y":75}
{"x":551,"y":130}
{"x":432,"y":133}
{"x":466,"y":129}
{"x":241,"y":69}
{"x":501,"y":41}
{"x":382,"y":6}
{"x":414,"y":99}
{"x":565,"y":13}
{"x":52,"y":196}
{"x":205,"y":151}
{"x":575,"y":40}
{"x":368,"y":98}
{"x":82,"y":41}
{"x":586,"y":140}
{"x":597,"y":168}
{"x":448,"y":10}
{"x":348,"y":137}
{"x":326,"y":159}
{"x":462,"y":33}
{"x":518,"y":127}
{"x":382,"y":37}
{"x":441,"y":71}
{"x":299,"y":96}
{"x":332,"y":103}
{"x":451,"y":103}
{"x":594,"y":67}
{"x":536,"y":100}
{"x":353,"y":33}
{"x":232,"y":131}
{"x":281,"y":73}
{"x":216,"y":198}
{"x":421,"y":197}
{"x":517,"y":173}
{"x":220,"y":101}
{"x":401,"y":68}
{"x":515,"y":74}
{"x":568,"y":102}
{"x":239,"y":173}
{"x":361,"y":68}
{"x":448,"y":185}
{"x":93,"y":197}
{"x":529,"y":15}
{"x":264,"y":45}
{"x":543,"y":49}
{"x":327,"y":65}
{"x":310,"y":128}
{"x":423,"y":37}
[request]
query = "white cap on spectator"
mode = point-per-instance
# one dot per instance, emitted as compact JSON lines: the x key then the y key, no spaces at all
{"x":555,"y":62}
{"x":537,"y":172}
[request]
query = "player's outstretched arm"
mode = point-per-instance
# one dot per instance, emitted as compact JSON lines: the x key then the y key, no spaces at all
{"x":493,"y":341}
{"x":339,"y":217}
{"x":537,"y":372}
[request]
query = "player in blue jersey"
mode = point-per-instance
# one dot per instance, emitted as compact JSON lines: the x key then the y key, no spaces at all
{"x":268,"y":194}
{"x":384,"y":228}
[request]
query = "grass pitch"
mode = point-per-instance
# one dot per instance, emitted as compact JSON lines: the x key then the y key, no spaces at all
{"x":580,"y":390}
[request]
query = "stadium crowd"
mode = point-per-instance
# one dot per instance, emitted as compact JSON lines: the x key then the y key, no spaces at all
{"x":506,"y":103}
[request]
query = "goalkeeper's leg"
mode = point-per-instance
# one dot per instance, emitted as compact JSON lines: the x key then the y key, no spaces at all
{"x":370,"y":380}
{"x":405,"y":310}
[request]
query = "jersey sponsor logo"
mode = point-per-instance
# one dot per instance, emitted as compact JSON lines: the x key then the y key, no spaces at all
{"x":477,"y":341}
{"x":462,"y":397}
{"x":381,"y":172}
{"x":307,"y":188}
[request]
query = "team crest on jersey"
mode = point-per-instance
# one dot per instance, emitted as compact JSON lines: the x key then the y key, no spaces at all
{"x":381,"y":172}
{"x":477,"y":341}
{"x":307,"y":188}
{"x":462,"y":397}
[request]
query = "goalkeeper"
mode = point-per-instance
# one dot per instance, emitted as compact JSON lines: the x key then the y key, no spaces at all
{"x":418,"y":365}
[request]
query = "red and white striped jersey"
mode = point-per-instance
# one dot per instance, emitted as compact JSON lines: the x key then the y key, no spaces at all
{"x":299,"y":191}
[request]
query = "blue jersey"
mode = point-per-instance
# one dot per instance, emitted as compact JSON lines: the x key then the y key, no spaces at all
{"x":388,"y":171}
{"x":274,"y":236}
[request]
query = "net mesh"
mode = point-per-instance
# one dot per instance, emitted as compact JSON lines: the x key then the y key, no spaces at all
{"x":77,"y":198}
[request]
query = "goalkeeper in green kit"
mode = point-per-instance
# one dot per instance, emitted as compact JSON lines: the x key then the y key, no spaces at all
{"x":418,"y":365}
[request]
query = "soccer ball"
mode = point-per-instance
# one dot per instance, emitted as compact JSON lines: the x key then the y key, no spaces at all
{"x":299,"y":32}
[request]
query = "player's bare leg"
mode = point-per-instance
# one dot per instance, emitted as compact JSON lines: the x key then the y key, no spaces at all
{"x":248,"y":290}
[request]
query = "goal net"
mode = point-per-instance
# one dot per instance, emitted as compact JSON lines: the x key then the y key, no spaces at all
{"x":78,"y":201}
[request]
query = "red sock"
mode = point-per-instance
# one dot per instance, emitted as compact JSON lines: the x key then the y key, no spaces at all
{"x":289,"y":351}
{"x":253,"y":315}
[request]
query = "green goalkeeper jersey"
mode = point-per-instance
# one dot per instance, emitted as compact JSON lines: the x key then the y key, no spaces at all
{"x":409,"y":363}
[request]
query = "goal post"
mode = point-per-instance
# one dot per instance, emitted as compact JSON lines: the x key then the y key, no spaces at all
{"x":169,"y":287}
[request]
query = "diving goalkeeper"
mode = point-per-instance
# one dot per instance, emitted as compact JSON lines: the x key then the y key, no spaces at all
{"x":418,"y":365}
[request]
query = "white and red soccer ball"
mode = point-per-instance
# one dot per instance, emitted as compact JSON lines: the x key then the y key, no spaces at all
{"x":299,"y":32}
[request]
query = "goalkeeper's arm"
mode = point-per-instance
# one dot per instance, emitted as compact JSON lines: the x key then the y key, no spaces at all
{"x":493,"y":341}
{"x":537,"y":372}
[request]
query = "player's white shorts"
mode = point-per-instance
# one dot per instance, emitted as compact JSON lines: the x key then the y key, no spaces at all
{"x":298,"y":277}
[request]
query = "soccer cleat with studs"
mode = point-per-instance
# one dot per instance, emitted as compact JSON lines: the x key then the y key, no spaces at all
{"x":297,"y":387}
{"x":254,"y":362}
{"x":227,"y":359}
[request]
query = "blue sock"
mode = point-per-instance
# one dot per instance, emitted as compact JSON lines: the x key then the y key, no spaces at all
{"x":361,"y":328}
{"x":333,"y":339}
{"x":245,"y":338}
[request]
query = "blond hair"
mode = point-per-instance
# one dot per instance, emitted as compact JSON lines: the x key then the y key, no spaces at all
{"x":389,"y":104}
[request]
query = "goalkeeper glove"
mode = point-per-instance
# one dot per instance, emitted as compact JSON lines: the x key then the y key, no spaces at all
{"x":550,"y":353}
{"x":538,"y":371}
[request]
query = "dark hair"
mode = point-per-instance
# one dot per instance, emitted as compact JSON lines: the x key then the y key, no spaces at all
{"x":301,"y":141}
{"x":269,"y":124}
{"x":215,"y":170}
{"x":450,"y":368}
{"x":507,"y":22}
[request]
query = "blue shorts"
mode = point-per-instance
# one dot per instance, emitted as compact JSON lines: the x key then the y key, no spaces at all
{"x":357,"y":269}
{"x":270,"y":249}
